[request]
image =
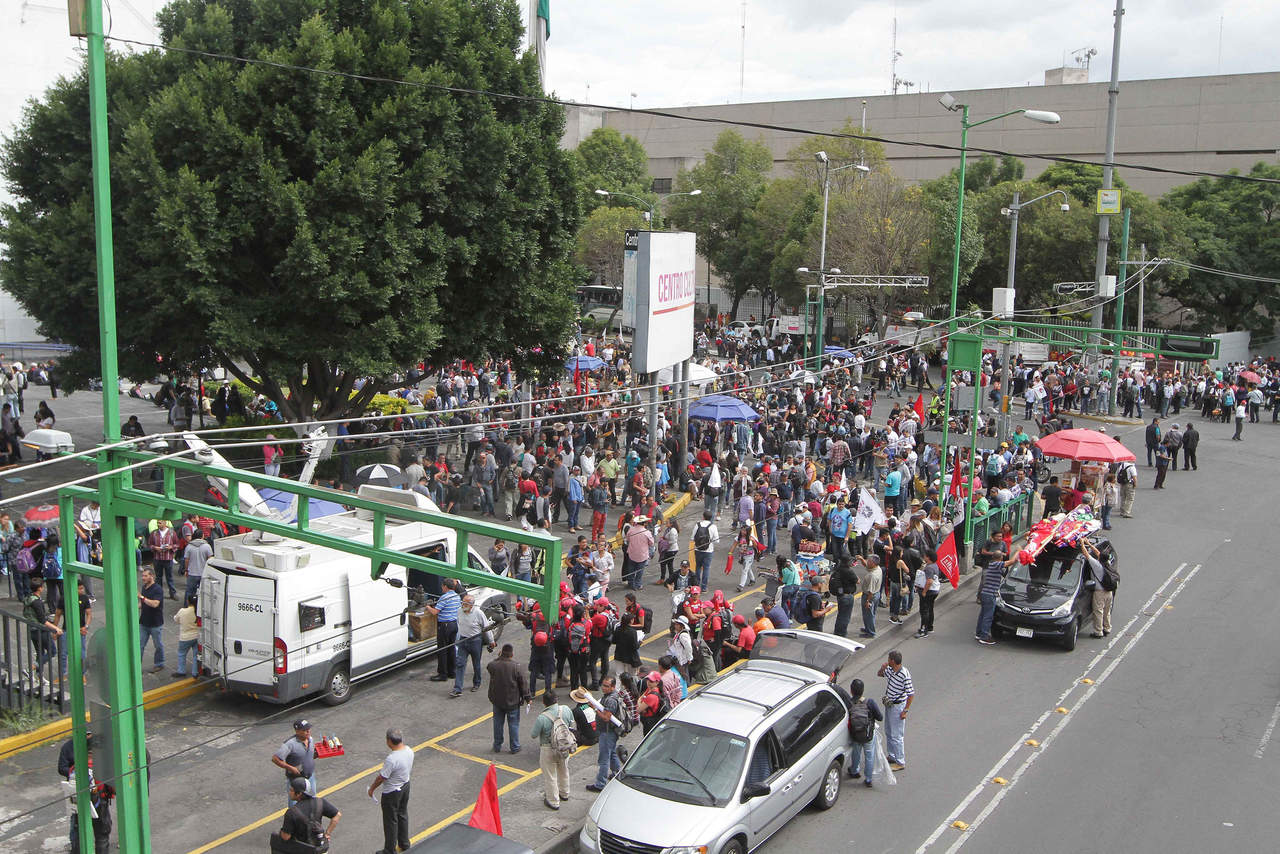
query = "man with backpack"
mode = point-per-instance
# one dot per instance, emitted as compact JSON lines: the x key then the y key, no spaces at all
{"x":611,"y":722}
{"x":302,"y":831}
{"x":43,"y":631}
{"x":705,"y":537}
{"x":864,"y":712}
{"x":1104,"y":581}
{"x":554,"y":731}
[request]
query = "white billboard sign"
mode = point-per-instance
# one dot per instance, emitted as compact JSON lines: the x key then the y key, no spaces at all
{"x":630,"y":246}
{"x":665,"y":267}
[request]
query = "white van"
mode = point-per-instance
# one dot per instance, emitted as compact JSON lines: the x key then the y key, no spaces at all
{"x":282,"y":619}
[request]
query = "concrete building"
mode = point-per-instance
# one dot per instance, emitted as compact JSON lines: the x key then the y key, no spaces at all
{"x":1213,"y":124}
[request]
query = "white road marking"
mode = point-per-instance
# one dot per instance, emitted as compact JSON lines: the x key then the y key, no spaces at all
{"x":984,"y":787}
{"x":1266,"y":736}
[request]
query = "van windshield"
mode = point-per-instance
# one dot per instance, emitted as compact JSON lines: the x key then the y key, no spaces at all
{"x":687,"y":763}
{"x":1053,"y":567}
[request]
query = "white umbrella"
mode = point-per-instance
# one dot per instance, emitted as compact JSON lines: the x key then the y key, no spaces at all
{"x":699,"y":375}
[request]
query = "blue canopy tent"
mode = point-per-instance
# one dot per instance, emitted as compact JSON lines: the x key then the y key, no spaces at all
{"x":583,"y":363}
{"x":722,"y":407}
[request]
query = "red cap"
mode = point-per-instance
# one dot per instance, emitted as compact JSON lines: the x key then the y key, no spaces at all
{"x":695,"y":590}
{"x":654,"y":676}
{"x":739,"y":620}
{"x":539,"y":638}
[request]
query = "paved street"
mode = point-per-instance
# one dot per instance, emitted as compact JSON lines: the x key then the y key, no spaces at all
{"x":1174,"y":698}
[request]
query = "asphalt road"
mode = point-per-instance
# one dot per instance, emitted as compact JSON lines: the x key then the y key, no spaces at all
{"x":1170,"y":748}
{"x":1175,"y":700}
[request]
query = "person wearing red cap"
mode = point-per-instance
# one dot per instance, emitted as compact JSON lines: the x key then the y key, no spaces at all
{"x":715,"y":624}
{"x":604,"y":621}
{"x":740,"y":647}
{"x":651,"y":702}
{"x":541,"y":661}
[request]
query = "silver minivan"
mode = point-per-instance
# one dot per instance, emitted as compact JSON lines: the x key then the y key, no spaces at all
{"x":735,"y":761}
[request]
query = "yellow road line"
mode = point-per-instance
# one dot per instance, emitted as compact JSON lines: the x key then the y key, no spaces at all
{"x":479,"y":759}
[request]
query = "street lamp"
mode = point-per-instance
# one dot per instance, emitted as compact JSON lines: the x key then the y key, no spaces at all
{"x":949,"y":101}
{"x":1015,"y":207}
{"x":648,"y":214}
{"x":815,"y":354}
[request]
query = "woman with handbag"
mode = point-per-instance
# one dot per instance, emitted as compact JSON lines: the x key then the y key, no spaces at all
{"x":668,"y":548}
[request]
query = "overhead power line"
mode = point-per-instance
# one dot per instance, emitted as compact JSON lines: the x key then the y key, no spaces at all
{"x":716,"y":120}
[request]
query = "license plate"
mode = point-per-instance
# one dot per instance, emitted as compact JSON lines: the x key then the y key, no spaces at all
{"x":1024,"y":633}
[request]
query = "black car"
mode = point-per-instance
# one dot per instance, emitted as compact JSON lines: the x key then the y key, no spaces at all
{"x":1051,"y":597}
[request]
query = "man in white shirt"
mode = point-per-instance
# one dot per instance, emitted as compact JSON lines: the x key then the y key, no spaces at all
{"x":394,"y":780}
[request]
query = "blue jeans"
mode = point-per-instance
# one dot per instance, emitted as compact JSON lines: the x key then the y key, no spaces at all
{"x":511,"y":717}
{"x":988,"y":602}
{"x":1106,"y":516}
{"x":844,"y":614}
{"x":608,"y":763}
{"x":771,"y":535}
{"x":869,"y":613}
{"x":898,"y":602}
{"x":164,"y":573}
{"x":573,"y":507}
{"x":152,"y":632}
{"x":702,"y":567}
{"x":193,"y":587}
{"x":862,"y":757}
{"x":895,"y":730}
{"x":712,"y":503}
{"x":486,"y":498}
{"x":468,"y":648}
{"x":185,"y":646}
{"x":637,"y":574}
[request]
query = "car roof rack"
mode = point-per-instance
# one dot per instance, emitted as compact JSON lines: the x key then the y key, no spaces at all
{"x":708,"y":691}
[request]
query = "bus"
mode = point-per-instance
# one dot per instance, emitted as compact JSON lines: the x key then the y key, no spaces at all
{"x":601,"y":303}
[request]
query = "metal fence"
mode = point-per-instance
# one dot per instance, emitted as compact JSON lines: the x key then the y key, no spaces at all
{"x":1018,"y":513}
{"x":32,"y":661}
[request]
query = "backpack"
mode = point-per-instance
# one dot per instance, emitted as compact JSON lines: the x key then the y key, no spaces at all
{"x":50,"y":568}
{"x":509,"y":480}
{"x":861,"y":727}
{"x":577,"y":637}
{"x":25,"y":561}
{"x":702,"y":536}
{"x":610,"y":623}
{"x":793,"y":596}
{"x":563,"y":741}
{"x":29,"y":609}
{"x":647,"y":622}
{"x":1110,"y":577}
{"x":314,"y":823}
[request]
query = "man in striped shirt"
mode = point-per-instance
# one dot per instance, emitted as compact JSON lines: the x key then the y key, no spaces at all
{"x":899,"y":692}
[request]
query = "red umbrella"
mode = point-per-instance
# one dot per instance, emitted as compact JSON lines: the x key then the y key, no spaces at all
{"x":1081,"y":444}
{"x":1251,"y":377}
{"x":41,"y":516}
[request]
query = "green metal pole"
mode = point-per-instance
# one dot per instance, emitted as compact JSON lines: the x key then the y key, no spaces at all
{"x":955,"y":290}
{"x":973,"y":462}
{"x":124,"y":667}
{"x":75,"y":667}
{"x":1119,"y":324}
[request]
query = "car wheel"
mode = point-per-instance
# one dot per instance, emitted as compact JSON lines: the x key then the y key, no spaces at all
{"x":1069,"y":636}
{"x":735,"y":845}
{"x":829,"y":791}
{"x":338,"y":685}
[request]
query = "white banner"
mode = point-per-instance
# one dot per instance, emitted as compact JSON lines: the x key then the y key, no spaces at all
{"x":869,"y":512}
{"x":664,"y":300}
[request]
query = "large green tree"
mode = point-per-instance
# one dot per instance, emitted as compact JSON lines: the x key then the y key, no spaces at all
{"x":732,"y":178}
{"x":312,"y":227}
{"x":607,"y":160}
{"x":600,"y":241}
{"x":1235,"y":226}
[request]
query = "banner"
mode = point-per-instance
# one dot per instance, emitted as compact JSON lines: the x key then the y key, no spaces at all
{"x":869,"y":512}
{"x":918,"y":406}
{"x":948,"y":561}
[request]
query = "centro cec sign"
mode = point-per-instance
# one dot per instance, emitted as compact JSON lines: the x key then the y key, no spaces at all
{"x":664,"y":299}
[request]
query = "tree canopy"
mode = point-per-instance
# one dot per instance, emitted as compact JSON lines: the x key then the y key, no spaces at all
{"x":607,"y":160}
{"x":315,"y":227}
{"x":732,"y":178}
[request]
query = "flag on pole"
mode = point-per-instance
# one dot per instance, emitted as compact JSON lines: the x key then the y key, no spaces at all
{"x":486,"y":815}
{"x":869,"y":512}
{"x":539,"y":33}
{"x":844,"y":483}
{"x":948,"y":561}
{"x":918,"y":406}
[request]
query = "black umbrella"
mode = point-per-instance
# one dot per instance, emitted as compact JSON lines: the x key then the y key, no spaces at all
{"x":380,"y":474}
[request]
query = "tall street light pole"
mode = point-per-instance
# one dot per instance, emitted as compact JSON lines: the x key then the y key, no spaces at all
{"x":1013,"y":211}
{"x":1104,"y":221}
{"x":949,"y":102}
{"x":815,"y":362}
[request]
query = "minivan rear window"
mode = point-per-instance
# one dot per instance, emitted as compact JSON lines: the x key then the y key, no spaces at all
{"x":811,"y":651}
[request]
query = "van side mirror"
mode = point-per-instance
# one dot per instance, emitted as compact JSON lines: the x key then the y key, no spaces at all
{"x":754,"y":790}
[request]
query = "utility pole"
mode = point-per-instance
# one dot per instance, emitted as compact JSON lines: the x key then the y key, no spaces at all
{"x":1120,"y":280}
{"x":1108,"y":177}
{"x":1142,"y":290}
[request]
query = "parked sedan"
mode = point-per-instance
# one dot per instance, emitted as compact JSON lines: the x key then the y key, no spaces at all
{"x":1051,"y":597}
{"x":736,"y":761}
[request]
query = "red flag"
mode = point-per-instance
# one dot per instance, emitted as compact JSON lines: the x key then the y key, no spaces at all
{"x":948,"y":562}
{"x":918,"y":406}
{"x":486,"y":815}
{"x":728,"y":566}
{"x":953,"y":489}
